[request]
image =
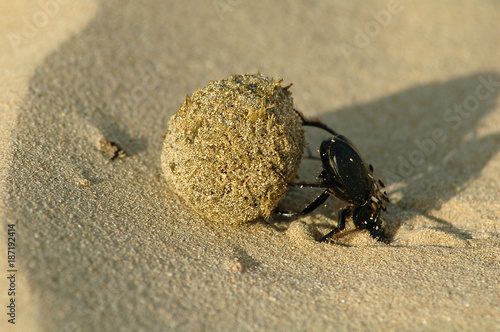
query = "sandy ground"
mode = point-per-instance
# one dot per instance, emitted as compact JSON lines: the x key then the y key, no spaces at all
{"x":106,"y":245}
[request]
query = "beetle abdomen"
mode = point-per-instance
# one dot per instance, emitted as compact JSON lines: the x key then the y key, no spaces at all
{"x":344,"y":163}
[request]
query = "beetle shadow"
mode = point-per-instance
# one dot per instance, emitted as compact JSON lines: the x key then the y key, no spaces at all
{"x":423,"y":143}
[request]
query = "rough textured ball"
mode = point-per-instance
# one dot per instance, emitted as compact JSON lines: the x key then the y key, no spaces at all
{"x":232,"y":147}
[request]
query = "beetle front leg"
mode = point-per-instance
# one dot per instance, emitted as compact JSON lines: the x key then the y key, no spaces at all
{"x":343,"y":215}
{"x":311,"y":207}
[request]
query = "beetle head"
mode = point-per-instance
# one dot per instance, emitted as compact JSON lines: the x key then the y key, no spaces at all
{"x":367,"y":216}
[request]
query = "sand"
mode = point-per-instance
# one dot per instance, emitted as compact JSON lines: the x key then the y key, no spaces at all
{"x":105,"y":244}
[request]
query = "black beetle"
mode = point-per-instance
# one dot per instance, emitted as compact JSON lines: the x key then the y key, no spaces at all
{"x":346,"y":176}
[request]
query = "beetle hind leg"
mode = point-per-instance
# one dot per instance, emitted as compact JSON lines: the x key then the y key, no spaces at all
{"x":317,"y":124}
{"x":310,"y":208}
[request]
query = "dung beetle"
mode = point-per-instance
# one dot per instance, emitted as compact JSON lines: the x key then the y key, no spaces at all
{"x":348,"y":177}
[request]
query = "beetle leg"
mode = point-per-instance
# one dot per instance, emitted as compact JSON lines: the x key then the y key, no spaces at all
{"x":310,"y":154}
{"x":311,"y":207}
{"x":320,"y":125}
{"x":343,"y":215}
{"x":317,"y":124}
{"x":310,"y":184}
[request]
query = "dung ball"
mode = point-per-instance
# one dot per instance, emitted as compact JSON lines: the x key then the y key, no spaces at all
{"x":231,"y":148}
